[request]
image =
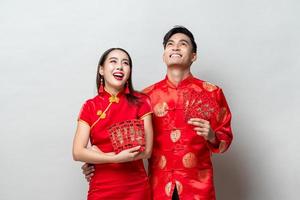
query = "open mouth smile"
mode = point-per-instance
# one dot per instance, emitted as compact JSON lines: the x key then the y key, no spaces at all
{"x":118,"y":75}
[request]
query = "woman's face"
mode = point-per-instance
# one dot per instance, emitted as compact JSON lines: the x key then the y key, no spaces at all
{"x":115,"y":70}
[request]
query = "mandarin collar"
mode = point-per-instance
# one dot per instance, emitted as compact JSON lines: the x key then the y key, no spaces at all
{"x":108,"y":94}
{"x":182,"y":83}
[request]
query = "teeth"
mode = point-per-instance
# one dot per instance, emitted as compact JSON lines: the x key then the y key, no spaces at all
{"x":118,"y":75}
{"x":175,"y":55}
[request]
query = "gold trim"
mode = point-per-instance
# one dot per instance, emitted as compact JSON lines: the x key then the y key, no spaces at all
{"x":146,"y":115}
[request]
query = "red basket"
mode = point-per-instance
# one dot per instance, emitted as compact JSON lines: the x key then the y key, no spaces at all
{"x":127,"y":134}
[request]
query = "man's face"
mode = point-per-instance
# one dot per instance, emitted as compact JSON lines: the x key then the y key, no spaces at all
{"x":179,"y":51}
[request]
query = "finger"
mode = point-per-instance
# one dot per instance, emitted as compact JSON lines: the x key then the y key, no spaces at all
{"x":88,"y":178}
{"x":133,"y":149}
{"x":201,"y":134}
{"x":135,"y":154}
{"x":198,"y":120}
{"x":84,"y":166}
{"x":199,"y":124}
{"x":88,"y":171}
{"x":201,"y":129}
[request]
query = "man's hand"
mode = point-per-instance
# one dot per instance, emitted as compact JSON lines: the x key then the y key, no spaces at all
{"x":202,"y":128}
{"x":87,"y":170}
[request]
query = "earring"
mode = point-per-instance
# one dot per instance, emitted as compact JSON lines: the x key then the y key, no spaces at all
{"x":101,"y":88}
{"x":127,"y":91}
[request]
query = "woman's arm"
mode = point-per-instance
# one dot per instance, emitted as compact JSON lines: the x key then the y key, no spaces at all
{"x":83,"y":154}
{"x":148,"y":138}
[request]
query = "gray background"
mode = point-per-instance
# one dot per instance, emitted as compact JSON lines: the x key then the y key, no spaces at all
{"x":48,"y":57}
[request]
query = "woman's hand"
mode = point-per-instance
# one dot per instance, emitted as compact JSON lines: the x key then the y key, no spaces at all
{"x":127,"y":155}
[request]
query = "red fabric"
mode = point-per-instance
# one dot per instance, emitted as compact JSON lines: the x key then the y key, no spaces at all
{"x":180,"y":157}
{"x":115,"y":181}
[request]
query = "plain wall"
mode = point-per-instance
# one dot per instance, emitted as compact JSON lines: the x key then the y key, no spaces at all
{"x":48,"y":56}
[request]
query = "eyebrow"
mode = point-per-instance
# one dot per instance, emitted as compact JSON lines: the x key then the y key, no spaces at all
{"x":182,"y":40}
{"x":115,"y":58}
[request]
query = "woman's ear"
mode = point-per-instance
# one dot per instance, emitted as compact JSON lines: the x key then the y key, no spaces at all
{"x":101,"y":72}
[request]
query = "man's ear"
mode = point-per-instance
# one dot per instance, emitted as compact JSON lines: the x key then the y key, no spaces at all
{"x":194,"y":57}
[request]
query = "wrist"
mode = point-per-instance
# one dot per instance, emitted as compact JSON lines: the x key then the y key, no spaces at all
{"x":212,"y":139}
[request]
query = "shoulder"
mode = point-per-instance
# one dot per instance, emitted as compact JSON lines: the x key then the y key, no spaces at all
{"x":206,"y":85}
{"x":91,"y":103}
{"x":148,"y":90}
{"x":141,"y":96}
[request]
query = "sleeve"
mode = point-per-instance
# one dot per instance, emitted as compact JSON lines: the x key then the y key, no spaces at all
{"x":85,"y":113}
{"x":221,"y":125}
{"x":145,"y":107}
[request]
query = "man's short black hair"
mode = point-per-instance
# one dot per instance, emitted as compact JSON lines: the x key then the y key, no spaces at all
{"x":183,"y":30}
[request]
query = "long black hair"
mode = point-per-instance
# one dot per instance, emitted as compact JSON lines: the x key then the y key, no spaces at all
{"x":130,"y":97}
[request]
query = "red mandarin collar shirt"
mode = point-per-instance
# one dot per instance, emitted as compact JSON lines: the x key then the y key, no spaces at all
{"x":180,"y":157}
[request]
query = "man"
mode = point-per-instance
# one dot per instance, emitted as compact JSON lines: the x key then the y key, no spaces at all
{"x":191,"y":120}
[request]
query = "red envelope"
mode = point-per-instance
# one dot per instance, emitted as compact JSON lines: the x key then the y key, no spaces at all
{"x":199,"y":105}
{"x":127,"y":134}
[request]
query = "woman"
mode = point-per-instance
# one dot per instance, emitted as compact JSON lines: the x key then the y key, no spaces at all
{"x":118,"y":175}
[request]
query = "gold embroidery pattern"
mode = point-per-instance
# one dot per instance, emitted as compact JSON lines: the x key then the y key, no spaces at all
{"x":168,"y":189}
{"x":175,"y":135}
{"x":179,"y":187}
{"x":161,"y":109}
{"x":203,"y":175}
{"x":162,"y":162}
{"x":189,"y":160}
{"x":209,"y":87}
{"x":221,"y":115}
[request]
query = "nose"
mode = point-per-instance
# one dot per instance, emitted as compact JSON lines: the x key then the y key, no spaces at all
{"x":120,"y":67}
{"x":175,"y":47}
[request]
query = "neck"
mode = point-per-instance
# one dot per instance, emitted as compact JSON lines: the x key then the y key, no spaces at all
{"x":112,"y":91}
{"x":176,"y":75}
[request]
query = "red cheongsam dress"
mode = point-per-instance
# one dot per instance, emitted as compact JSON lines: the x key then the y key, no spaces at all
{"x":180,"y":157}
{"x":124,"y":181}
